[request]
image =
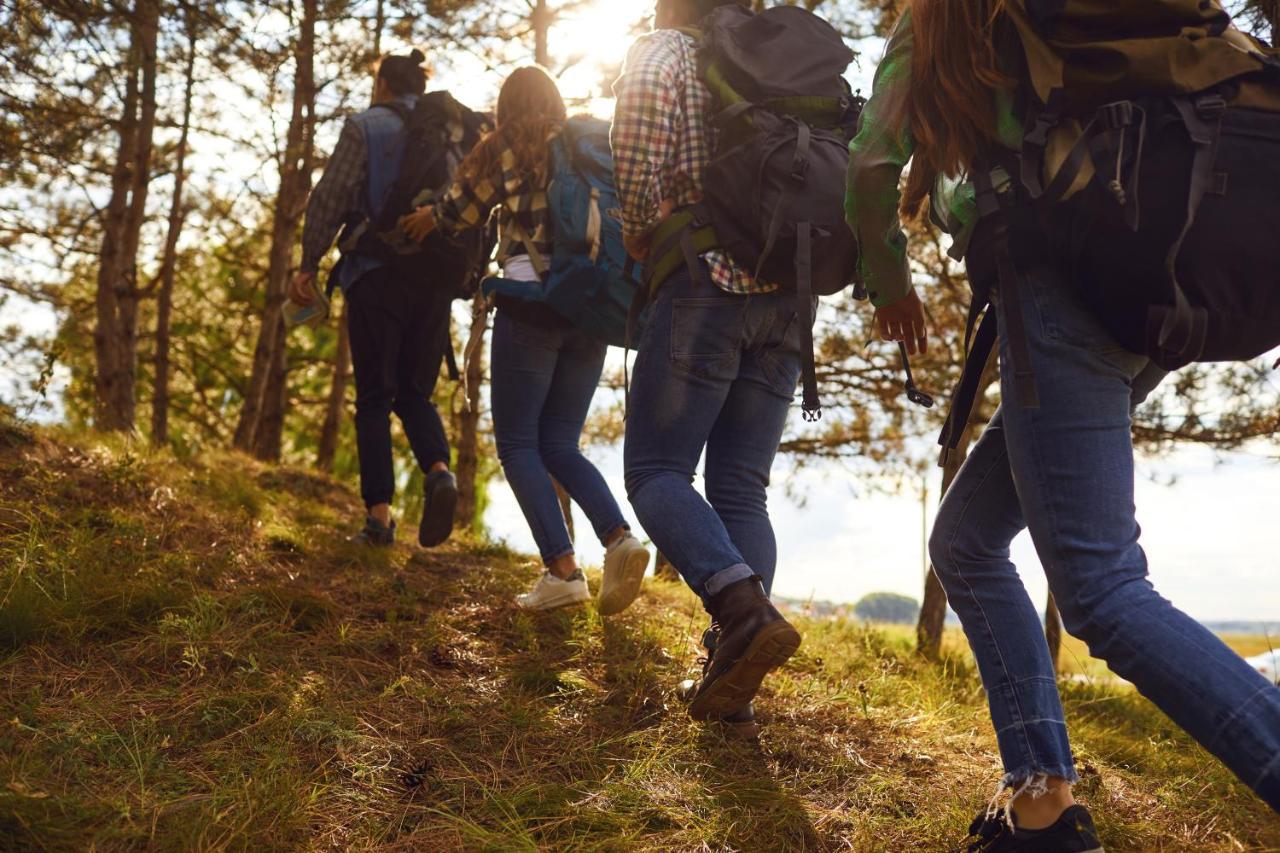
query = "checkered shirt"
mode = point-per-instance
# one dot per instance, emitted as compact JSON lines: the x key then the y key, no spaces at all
{"x":518,"y":196}
{"x":663,"y":140}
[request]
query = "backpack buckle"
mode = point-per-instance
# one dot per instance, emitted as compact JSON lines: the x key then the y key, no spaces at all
{"x":1211,"y":107}
{"x":800,"y":171}
{"x":1116,"y":115}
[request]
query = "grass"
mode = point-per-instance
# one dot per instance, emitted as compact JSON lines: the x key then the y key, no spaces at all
{"x":192,"y":658}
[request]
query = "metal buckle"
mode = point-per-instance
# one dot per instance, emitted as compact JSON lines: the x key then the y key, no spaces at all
{"x":1116,"y":115}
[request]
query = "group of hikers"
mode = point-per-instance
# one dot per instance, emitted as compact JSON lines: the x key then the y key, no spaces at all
{"x":1110,"y":174}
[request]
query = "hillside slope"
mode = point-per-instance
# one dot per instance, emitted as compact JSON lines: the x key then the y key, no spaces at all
{"x":193,"y":658}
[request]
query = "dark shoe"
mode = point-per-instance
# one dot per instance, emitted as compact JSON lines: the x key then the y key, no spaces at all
{"x":441,"y":492}
{"x":740,"y":725}
{"x":375,"y":535}
{"x":1073,"y":832}
{"x":753,"y":640}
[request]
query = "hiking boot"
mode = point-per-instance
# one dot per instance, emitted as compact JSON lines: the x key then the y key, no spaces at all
{"x":375,"y":535}
{"x":1073,"y":832}
{"x":441,"y":493}
{"x":753,"y":639}
{"x":625,"y":564}
{"x":550,"y":592}
{"x":740,"y":726}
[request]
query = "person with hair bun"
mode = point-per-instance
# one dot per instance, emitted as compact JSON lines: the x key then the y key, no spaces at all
{"x":399,"y":329}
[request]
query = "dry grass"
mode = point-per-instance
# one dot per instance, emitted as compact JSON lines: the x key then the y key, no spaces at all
{"x":191,"y":658}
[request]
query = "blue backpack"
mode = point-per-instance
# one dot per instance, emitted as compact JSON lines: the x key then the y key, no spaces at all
{"x":590,"y":281}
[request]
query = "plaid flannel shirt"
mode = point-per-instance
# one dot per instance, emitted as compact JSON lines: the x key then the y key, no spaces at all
{"x":663,"y":140}
{"x":340,"y":191}
{"x":521,"y":201}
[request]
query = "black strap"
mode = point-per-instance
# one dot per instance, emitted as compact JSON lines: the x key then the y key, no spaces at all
{"x":1009,"y":288}
{"x":811,"y":404}
{"x":799,"y":176}
{"x":979,"y":346}
{"x":691,"y":259}
{"x":1176,"y":333}
{"x":451,"y":362}
{"x":914,"y":394}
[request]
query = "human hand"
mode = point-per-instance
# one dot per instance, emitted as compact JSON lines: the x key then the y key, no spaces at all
{"x":419,"y":224}
{"x":302,"y":291}
{"x":904,"y":321}
{"x":637,"y":245}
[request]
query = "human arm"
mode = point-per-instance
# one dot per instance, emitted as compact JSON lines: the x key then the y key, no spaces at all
{"x":643,"y":134}
{"x":878,"y":156}
{"x":335,"y":196}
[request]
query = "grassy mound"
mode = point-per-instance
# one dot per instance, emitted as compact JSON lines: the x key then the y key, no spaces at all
{"x":193,"y":658}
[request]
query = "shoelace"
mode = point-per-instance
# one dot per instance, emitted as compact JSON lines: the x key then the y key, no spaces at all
{"x":986,"y":829}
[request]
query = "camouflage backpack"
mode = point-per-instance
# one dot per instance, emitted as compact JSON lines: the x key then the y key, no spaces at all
{"x":1150,"y":169}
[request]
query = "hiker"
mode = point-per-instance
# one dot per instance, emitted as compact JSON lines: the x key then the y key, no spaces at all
{"x":1057,"y":457}
{"x":725,"y":342}
{"x":545,"y":370}
{"x":399,"y":329}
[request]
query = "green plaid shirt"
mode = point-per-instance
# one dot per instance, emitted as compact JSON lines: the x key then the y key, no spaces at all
{"x":878,"y":156}
{"x":520,"y":198}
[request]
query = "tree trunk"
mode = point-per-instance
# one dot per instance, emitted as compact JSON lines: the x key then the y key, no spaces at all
{"x":260,"y":428}
{"x":169,"y":264}
{"x":933,"y":610}
{"x":663,"y":569}
{"x":467,"y":423}
{"x":268,"y":442}
{"x":337,"y":404}
{"x":542,"y":18}
{"x":1053,"y":630}
{"x":566,"y":507}
{"x":116,"y":334}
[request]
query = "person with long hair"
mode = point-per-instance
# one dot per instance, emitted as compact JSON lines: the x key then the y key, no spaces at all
{"x":944,"y":99}
{"x":545,"y":372}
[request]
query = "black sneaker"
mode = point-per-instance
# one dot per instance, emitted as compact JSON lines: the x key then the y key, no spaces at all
{"x":1073,"y":832}
{"x":441,"y":492}
{"x":375,"y":535}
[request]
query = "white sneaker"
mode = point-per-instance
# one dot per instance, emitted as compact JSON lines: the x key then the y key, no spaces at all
{"x":625,"y":564}
{"x":550,"y":592}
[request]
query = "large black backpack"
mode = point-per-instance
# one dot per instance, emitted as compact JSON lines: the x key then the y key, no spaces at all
{"x":773,"y":195}
{"x":439,"y":133}
{"x":1164,"y":200}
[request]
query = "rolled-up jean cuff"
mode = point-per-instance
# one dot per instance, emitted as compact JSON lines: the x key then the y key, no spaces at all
{"x":724,"y":578}
{"x":568,"y":552}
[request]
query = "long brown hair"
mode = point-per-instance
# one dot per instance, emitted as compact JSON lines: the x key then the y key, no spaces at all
{"x":529,"y":105}
{"x":956,"y":69}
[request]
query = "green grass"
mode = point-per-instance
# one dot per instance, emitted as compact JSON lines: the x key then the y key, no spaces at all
{"x":193,"y":658}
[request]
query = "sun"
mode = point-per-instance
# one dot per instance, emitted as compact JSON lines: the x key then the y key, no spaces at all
{"x":589,"y":41}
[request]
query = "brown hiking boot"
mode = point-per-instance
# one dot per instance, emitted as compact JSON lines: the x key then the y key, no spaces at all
{"x":754,"y":639}
{"x":741,"y":725}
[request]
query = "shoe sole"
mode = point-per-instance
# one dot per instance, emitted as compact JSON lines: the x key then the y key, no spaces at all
{"x":437,"y":516}
{"x":737,"y":687}
{"x":556,"y":603}
{"x":617,"y":596}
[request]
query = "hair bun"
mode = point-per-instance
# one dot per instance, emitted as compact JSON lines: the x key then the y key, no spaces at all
{"x":417,"y":56}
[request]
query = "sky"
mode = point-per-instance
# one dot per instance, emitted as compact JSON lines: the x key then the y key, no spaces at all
{"x":1211,"y":529}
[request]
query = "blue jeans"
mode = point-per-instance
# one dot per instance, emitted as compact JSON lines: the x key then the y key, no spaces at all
{"x":1066,"y":470}
{"x":544,"y":378}
{"x":716,"y":371}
